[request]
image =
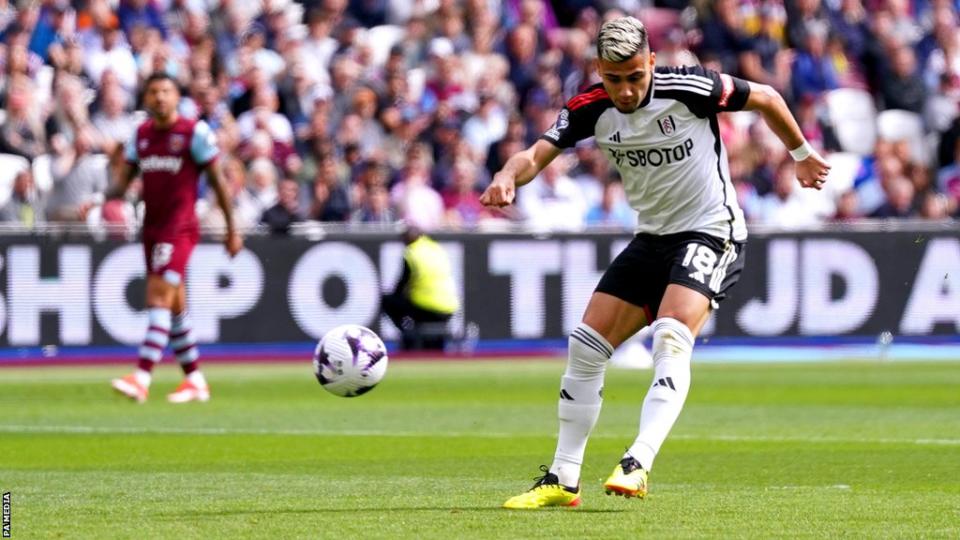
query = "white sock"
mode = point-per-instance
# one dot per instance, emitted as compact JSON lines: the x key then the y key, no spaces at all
{"x":672,"y":347}
{"x":581,"y":395}
{"x":143,"y":377}
{"x":197,"y":379}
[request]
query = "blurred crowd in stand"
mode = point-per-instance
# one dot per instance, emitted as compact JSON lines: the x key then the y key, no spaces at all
{"x":375,"y":111}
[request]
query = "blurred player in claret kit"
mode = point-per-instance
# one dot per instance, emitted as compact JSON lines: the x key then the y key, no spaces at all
{"x":170,"y":153}
{"x":658,"y":126}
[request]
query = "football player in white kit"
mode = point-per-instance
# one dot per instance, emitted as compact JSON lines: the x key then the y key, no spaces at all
{"x":658,"y":127}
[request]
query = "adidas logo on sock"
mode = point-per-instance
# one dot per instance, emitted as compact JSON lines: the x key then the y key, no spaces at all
{"x":565,"y":395}
{"x":666,"y":381}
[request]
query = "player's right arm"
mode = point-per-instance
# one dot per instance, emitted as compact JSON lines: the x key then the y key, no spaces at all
{"x":575,"y":122}
{"x":520,"y":169}
{"x":205,"y":151}
{"x":233,"y":242}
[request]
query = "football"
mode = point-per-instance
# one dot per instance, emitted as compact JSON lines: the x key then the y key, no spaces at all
{"x":350,"y":360}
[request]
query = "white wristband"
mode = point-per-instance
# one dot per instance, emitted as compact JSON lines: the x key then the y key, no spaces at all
{"x":801,"y":152}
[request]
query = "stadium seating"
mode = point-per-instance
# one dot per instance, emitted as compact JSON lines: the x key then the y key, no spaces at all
{"x":852,"y":115}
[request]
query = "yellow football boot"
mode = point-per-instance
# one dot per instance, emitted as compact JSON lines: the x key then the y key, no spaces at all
{"x":546,"y":491}
{"x":628,"y":479}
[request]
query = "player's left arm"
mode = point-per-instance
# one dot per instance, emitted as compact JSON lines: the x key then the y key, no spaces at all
{"x":204,"y":150}
{"x":127,"y":169}
{"x":812,"y":169}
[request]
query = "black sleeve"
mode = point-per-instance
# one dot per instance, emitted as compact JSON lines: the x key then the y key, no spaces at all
{"x":404,"y":278}
{"x":578,"y":118}
{"x":703,"y":90}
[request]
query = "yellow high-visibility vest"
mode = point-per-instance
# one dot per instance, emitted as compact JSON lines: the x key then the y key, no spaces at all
{"x":431,"y":285}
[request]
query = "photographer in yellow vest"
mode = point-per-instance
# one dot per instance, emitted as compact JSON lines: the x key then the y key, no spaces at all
{"x":425,"y":297}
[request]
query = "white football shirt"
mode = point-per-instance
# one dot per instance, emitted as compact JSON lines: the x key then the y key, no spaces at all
{"x":668,"y":152}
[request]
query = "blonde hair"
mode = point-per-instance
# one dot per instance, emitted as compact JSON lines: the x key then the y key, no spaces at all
{"x":620,"y":39}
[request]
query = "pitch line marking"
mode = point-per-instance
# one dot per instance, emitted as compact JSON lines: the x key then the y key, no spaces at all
{"x":121,"y":430}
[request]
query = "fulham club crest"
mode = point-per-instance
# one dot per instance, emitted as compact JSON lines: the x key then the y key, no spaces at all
{"x":176,"y":143}
{"x":667,"y":125}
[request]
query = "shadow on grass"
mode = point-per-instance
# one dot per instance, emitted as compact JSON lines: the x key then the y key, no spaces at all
{"x":450,"y":509}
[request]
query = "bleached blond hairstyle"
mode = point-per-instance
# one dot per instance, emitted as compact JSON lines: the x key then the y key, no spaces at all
{"x":620,"y":39}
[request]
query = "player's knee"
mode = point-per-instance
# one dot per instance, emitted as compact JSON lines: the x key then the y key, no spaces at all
{"x":589,"y":351}
{"x":672,"y":338}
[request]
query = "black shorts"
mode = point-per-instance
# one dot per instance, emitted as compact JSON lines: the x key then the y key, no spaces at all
{"x":641,"y":272}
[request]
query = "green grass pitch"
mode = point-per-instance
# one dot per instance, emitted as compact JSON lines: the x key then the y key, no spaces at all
{"x":854,"y":449}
